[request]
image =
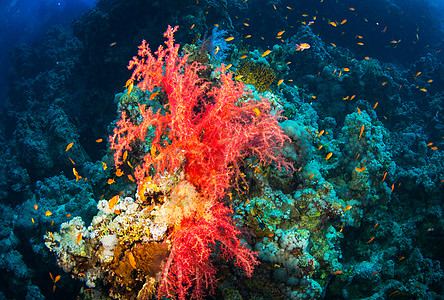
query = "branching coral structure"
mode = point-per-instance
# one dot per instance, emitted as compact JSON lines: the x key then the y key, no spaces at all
{"x":204,"y":131}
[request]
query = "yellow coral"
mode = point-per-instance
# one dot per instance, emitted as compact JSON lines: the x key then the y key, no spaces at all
{"x":258,"y":75}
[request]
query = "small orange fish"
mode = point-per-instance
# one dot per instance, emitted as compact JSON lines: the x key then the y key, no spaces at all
{"x":434,"y":148}
{"x":266,"y":53}
{"x":57,"y":278}
{"x":351,"y":8}
{"x":112,"y":44}
{"x":343,"y":21}
{"x":76,"y":174}
{"x":32,"y":220}
{"x":321,"y":133}
{"x":132,"y":260}
{"x":52,"y":222}
{"x":376,"y":272}
{"x":401,"y":258}
{"x":281,"y":32}
{"x":359,"y":111}
{"x":360,"y":44}
{"x":311,"y":176}
{"x":430,"y":81}
{"x":360,"y":169}
{"x":346,"y":69}
{"x":111,"y":181}
{"x":246,"y":24}
{"x":383,"y":178}
{"x":376,"y":104}
{"x":302,"y":47}
{"x":369,"y":241}
{"x":332,"y":23}
{"x":113,"y":201}
{"x":229,"y":39}
{"x":333,"y":44}
{"x":429,"y":144}
{"x":48,"y":213}
{"x":348,"y":207}
{"x":362,"y":131}
{"x":128,"y":82}
{"x":130,"y":88}
{"x":395,"y":292}
{"x":131,"y":178}
{"x":243,"y":57}
{"x":68,"y":215}
{"x":71,"y":161}
{"x":119,"y":172}
{"x":328,"y":156}
{"x":280,"y":82}
{"x":36,"y":206}
{"x":69,"y":146}
{"x":366,"y":58}
{"x":376,"y":225}
{"x":384,"y":83}
{"x":423,"y":90}
{"x":248,"y":36}
{"x":153,"y":95}
{"x":417,"y":74}
{"x":192,"y":26}
{"x":79,"y":238}
{"x":256,"y":111}
{"x":99,"y":140}
{"x":337,"y":272}
{"x":238,"y":77}
{"x":104,"y":166}
{"x":345,"y":98}
{"x":393,"y":186}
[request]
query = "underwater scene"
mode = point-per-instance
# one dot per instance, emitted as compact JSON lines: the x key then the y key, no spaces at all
{"x":222,"y":149}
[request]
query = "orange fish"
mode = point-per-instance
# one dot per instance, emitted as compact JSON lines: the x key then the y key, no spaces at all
{"x":125,"y":155}
{"x":266,"y":53}
{"x":69,"y":146}
{"x":360,"y":169}
{"x":434,"y":148}
{"x":153,"y":95}
{"x":328,"y":156}
{"x":32,"y":220}
{"x":311,"y":176}
{"x":384,"y":83}
{"x":423,"y":90}
{"x":401,"y":258}
{"x":71,"y":161}
{"x":362,"y":131}
{"x":79,"y":238}
{"x":76,"y":174}
{"x":119,"y":172}
{"x":248,"y":36}
{"x":131,"y":178}
{"x":346,"y":69}
{"x":376,"y":225}
{"x":369,"y":241}
{"x":99,"y":140}
{"x":238,"y":77}
{"x":352,"y":97}
{"x":68,"y":215}
{"x":376,"y":272}
{"x":351,"y":8}
{"x":343,"y":21}
{"x":243,"y":57}
{"x":36,"y":206}
{"x":395,"y":292}
{"x":132,"y":261}
{"x":337,"y":272}
{"x":321,"y":133}
{"x":229,"y":39}
{"x":302,"y":47}
{"x":376,"y":104}
{"x":333,"y":24}
{"x":360,"y":44}
{"x":359,"y":111}
{"x":113,"y":201}
{"x":280,"y":82}
{"x":48,"y":213}
{"x":281,"y":32}
{"x":383,"y":178}
{"x":246,"y":24}
{"x":104,"y":166}
{"x":111,"y":181}
{"x":393,"y":186}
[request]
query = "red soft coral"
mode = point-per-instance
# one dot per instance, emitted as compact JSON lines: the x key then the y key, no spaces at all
{"x":209,"y":129}
{"x":189,"y":266}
